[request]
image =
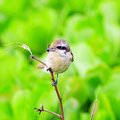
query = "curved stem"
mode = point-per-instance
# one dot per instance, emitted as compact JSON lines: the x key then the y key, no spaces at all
{"x":56,"y":89}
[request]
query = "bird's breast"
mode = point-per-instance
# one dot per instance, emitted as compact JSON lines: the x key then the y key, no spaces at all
{"x":57,"y":62}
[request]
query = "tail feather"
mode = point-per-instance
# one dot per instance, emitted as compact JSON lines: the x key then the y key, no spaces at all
{"x":40,"y":66}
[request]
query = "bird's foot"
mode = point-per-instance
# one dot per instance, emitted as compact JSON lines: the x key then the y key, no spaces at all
{"x":54,"y":83}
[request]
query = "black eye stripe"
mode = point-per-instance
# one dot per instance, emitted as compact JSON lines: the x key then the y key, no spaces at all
{"x":62,"y":47}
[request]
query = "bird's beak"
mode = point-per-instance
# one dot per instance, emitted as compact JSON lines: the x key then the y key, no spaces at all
{"x":48,"y":49}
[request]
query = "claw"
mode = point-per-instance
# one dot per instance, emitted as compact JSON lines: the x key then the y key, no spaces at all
{"x":55,"y":82}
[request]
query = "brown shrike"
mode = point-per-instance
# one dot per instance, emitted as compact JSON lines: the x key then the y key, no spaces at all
{"x":59,"y":57}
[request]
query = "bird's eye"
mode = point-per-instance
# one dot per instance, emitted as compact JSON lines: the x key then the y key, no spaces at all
{"x":61,"y":47}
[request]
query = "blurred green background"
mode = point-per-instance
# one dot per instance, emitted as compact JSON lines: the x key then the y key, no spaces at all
{"x":92,"y":28}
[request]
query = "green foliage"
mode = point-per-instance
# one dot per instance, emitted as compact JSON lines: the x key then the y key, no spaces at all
{"x":92,"y":29}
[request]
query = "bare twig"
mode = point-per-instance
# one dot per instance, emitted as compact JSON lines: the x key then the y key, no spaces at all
{"x":24,"y":46}
{"x":58,"y":94}
{"x":33,"y":57}
{"x":41,"y":109}
{"x":56,"y":89}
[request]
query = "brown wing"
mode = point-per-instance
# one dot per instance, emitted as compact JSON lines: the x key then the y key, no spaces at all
{"x":72,"y":59}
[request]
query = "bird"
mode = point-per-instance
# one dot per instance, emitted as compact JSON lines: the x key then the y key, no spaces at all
{"x":59,"y":57}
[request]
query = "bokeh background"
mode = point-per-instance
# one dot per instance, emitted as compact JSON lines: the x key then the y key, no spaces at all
{"x":92,"y":28}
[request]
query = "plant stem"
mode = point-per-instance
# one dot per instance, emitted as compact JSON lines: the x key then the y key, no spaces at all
{"x":56,"y":89}
{"x":41,"y":109}
{"x":93,"y":110}
{"x":53,"y":113}
{"x":58,"y":94}
{"x":33,"y":57}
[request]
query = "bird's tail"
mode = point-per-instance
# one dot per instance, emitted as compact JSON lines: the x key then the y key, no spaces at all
{"x":40,"y":66}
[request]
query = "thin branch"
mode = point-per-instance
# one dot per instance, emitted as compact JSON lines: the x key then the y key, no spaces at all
{"x":24,"y":46}
{"x":56,"y":89}
{"x":58,"y":94}
{"x":41,"y":109}
{"x":33,"y":57}
{"x":53,"y":113}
